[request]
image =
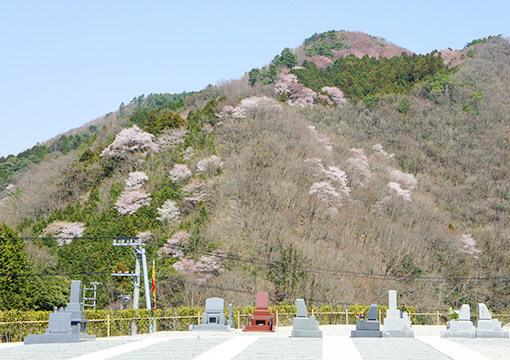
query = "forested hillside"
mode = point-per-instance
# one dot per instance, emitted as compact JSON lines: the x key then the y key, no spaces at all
{"x":344,"y":168}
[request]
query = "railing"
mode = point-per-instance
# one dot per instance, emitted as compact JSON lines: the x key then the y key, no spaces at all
{"x":116,"y":326}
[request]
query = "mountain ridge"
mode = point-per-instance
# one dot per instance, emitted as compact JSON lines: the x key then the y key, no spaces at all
{"x":334,"y":201}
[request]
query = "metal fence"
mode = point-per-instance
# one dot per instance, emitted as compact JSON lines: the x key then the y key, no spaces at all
{"x":112,"y":326}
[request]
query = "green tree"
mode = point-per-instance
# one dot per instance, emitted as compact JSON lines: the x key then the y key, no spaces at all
{"x":14,"y":287}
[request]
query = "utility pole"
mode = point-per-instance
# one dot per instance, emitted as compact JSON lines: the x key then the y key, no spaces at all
{"x":141,"y":264}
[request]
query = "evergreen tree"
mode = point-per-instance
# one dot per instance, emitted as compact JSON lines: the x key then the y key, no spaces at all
{"x":14,"y":287}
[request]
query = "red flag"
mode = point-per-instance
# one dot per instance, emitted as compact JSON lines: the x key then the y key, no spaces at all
{"x":154,"y":284}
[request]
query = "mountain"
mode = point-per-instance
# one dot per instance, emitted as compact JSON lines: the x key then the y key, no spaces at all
{"x":344,"y":168}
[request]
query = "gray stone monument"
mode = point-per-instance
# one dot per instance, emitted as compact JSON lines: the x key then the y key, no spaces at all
{"x":396,"y":323}
{"x":369,"y":327}
{"x":66,"y":325}
{"x":304,"y":326}
{"x":213,"y":319}
{"x":461,"y":327}
{"x":486,"y":326}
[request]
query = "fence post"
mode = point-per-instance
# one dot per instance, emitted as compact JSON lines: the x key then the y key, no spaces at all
{"x":276,"y":322}
{"x":107,"y":325}
{"x":346,"y":317}
{"x":437,"y":317}
{"x":238,"y":319}
{"x":198,"y":318}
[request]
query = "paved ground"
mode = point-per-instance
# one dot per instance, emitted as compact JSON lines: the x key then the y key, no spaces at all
{"x":336,"y":344}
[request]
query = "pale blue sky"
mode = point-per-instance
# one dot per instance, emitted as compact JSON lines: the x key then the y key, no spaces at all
{"x":64,"y":63}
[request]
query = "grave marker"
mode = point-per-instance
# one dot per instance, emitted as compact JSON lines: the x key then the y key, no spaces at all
{"x":486,"y":326}
{"x":461,"y":327}
{"x":396,"y":323}
{"x":370,"y":327}
{"x":304,"y":326}
{"x":213,"y":319}
{"x":65,"y":326}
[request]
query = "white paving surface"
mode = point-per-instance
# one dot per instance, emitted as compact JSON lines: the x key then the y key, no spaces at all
{"x":236,"y":345}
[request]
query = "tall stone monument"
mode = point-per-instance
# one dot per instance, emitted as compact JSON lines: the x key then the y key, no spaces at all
{"x":396,"y":323}
{"x":261,"y":320}
{"x":486,"y":326}
{"x":213,"y":319}
{"x":461,"y":327}
{"x":304,"y":326}
{"x":66,"y":325}
{"x":369,"y":327}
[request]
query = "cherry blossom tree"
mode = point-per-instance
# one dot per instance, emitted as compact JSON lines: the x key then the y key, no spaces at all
{"x":129,"y":141}
{"x":180,"y":238}
{"x":406,"y":181}
{"x":359,"y":168}
{"x":469,"y":245}
{"x":405,"y":194}
{"x":129,"y":202}
{"x":64,"y":230}
{"x":326,"y":193}
{"x":209,"y":165}
{"x":335,"y":94}
{"x":180,"y":173}
{"x":135,"y":181}
{"x":169,"y":212}
{"x":335,"y":174}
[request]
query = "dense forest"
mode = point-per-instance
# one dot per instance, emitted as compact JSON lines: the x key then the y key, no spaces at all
{"x":330,"y":174}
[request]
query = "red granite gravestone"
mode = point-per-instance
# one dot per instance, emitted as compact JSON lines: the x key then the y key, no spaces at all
{"x":261,"y":319}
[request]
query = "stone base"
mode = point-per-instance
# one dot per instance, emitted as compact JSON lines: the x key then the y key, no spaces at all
{"x":210,"y":328}
{"x":492,"y":334}
{"x":366,"y":333}
{"x":398,"y":333}
{"x":259,"y":328}
{"x":57,"y":338}
{"x":458,"y":334}
{"x":307,"y":333}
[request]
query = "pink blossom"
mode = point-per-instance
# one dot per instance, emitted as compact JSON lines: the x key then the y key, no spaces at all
{"x":128,"y":141}
{"x":406,"y":194}
{"x":144,"y":236}
{"x":326,"y":193}
{"x":186,"y":266}
{"x":335,"y":174}
{"x":64,"y":230}
{"x":258,"y":101}
{"x":131,"y":201}
{"x":335,"y":94}
{"x":180,"y":173}
{"x":358,"y":164}
{"x":209,"y":165}
{"x":169,"y":212}
{"x":406,"y":181}
{"x":469,"y":245}
{"x":135,"y":180}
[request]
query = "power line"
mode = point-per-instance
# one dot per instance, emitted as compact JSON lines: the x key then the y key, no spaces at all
{"x":316,"y":270}
{"x":334,"y":272}
{"x":60,"y":274}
